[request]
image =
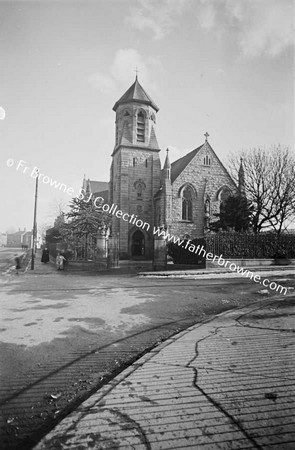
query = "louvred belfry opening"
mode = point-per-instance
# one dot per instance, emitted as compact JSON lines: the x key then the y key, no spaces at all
{"x":140,"y":127}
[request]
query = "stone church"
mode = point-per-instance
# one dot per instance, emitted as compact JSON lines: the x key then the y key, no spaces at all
{"x":183,"y":196}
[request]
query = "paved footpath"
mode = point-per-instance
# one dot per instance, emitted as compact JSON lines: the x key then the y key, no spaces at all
{"x":224,"y":384}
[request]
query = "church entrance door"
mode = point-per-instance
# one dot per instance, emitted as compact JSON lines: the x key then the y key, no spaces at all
{"x":138,"y":244}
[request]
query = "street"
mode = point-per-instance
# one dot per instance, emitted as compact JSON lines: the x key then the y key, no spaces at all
{"x":65,"y":334}
{"x":7,"y":256}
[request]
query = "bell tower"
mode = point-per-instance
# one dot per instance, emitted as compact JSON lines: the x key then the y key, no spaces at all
{"x":135,"y":171}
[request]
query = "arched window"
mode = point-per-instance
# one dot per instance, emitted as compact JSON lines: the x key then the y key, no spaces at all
{"x":207,"y":160}
{"x":140,"y":127}
{"x":187,"y":204}
{"x":224,"y":194}
{"x":139,"y":189}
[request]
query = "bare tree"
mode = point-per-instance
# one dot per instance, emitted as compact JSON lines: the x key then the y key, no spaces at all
{"x":44,"y":227}
{"x":57,"y":207}
{"x":269,"y":185}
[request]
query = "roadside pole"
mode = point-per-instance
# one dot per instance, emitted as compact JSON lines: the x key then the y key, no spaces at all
{"x":34,"y":224}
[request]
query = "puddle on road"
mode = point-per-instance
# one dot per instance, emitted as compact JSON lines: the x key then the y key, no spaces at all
{"x":32,"y":324}
{"x":279,"y":315}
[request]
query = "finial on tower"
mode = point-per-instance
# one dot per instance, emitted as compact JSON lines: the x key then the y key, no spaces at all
{"x":136,"y":72}
{"x":167,"y":166}
{"x":206,"y":136}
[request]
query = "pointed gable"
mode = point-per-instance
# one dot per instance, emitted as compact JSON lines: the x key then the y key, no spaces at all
{"x":180,"y":164}
{"x":135,"y":93}
{"x":153,"y":142}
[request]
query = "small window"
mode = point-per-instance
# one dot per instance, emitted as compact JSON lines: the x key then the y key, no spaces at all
{"x":207,"y":160}
{"x":126,"y":113}
{"x":146,"y":163}
{"x":134,"y":162}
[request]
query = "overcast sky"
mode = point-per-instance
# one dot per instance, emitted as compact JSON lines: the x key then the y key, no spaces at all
{"x":222,"y":66}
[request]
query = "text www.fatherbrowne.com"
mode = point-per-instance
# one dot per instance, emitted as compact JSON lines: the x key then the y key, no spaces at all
{"x":200,"y":250}
{"x":98,"y":202}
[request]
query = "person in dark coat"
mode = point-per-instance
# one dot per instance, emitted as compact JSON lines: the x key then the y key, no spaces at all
{"x":45,"y":255}
{"x":17,"y":263}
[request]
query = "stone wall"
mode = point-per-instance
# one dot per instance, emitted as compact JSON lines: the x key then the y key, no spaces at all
{"x":133,"y":168}
{"x":207,"y":181}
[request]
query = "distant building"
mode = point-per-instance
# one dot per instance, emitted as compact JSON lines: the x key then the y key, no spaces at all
{"x":21,"y":238}
{"x":3,"y":239}
{"x":15,"y":239}
{"x":28,"y":239}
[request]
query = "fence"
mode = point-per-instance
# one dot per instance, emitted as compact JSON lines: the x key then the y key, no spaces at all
{"x":240,"y":245}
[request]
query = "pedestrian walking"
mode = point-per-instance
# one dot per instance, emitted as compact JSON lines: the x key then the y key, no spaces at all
{"x":17,"y":263}
{"x":60,"y":260}
{"x":64,"y":254}
{"x":45,"y":255}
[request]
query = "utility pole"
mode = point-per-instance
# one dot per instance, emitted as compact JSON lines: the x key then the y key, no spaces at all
{"x":34,"y":223}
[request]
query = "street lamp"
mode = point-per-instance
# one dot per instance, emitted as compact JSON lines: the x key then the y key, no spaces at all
{"x":34,"y":223}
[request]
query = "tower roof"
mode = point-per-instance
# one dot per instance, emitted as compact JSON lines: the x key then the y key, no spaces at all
{"x":135,"y":93}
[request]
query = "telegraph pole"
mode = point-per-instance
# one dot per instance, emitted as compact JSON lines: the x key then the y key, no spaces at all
{"x":34,"y":223}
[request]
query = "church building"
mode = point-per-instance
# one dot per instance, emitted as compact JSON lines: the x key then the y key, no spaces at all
{"x":182,"y":197}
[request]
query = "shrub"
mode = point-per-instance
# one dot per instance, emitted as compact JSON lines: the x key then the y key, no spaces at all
{"x":181,"y":255}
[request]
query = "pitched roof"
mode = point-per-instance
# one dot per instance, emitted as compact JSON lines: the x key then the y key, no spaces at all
{"x":103,"y":194}
{"x":153,"y":143}
{"x":98,"y":186}
{"x":135,"y":93}
{"x":180,"y":164}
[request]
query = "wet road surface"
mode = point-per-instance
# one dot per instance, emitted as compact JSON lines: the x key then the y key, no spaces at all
{"x":65,"y":334}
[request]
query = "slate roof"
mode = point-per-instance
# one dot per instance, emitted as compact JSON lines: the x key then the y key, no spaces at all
{"x":153,"y":140}
{"x":135,"y":93}
{"x":180,"y":164}
{"x":126,"y":138}
{"x":103,"y":194}
{"x":98,"y":186}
